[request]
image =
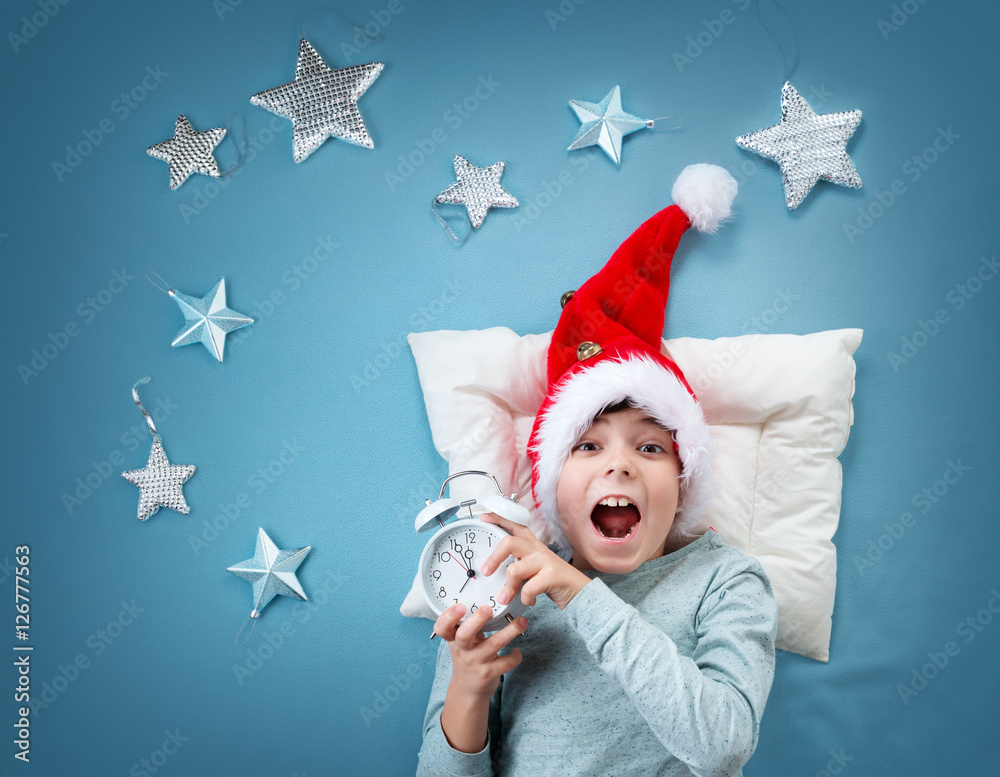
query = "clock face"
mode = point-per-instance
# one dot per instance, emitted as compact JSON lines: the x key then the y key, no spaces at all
{"x":450,"y":568}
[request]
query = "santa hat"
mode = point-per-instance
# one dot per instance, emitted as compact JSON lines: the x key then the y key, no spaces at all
{"x":606,"y":349}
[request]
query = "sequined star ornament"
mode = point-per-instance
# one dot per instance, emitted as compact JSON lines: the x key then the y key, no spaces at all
{"x":188,"y":151}
{"x":807,"y":146}
{"x":207,"y":320}
{"x":271,"y":572}
{"x":321,"y":102}
{"x":478,"y":189}
{"x":604,"y":124}
{"x":160,"y":481}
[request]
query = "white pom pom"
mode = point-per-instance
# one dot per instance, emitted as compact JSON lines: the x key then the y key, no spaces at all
{"x":705,"y":194}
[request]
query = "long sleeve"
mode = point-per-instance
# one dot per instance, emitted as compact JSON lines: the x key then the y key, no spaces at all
{"x":704,"y":709}
{"x":436,"y":756}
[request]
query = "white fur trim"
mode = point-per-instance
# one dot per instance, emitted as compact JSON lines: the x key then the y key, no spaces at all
{"x":705,"y":193}
{"x":654,"y":390}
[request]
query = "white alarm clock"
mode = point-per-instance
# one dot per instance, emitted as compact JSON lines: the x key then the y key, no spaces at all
{"x":450,"y":564}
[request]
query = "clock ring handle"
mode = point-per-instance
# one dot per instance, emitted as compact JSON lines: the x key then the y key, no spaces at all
{"x":475,"y":472}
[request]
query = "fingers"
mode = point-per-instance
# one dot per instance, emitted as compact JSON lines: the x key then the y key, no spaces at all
{"x":447,"y":622}
{"x":466,"y":635}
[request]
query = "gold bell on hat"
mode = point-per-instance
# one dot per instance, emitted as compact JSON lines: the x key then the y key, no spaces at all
{"x":587,"y":349}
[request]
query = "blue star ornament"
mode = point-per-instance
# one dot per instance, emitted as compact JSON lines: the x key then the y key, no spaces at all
{"x":807,"y":146}
{"x":321,"y":102}
{"x":207,"y":320}
{"x":604,"y":124}
{"x":478,"y":189}
{"x":188,"y":151}
{"x":271,"y":572}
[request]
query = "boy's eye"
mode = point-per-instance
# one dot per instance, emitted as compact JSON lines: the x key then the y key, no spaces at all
{"x":586,"y":446}
{"x":650,"y":447}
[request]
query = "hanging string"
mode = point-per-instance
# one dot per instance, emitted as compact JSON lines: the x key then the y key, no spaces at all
{"x":791,"y":59}
{"x":651,"y":122}
{"x":252,"y":617}
{"x":444,"y":224}
{"x":135,"y":396}
{"x":241,"y":146}
{"x":165,"y":288}
{"x":347,"y":23}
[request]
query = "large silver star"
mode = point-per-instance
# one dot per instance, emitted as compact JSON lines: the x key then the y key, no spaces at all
{"x":188,"y":151}
{"x":271,"y":571}
{"x":207,"y":320}
{"x":478,"y":189}
{"x":605,"y":124}
{"x":807,"y":146}
{"x":321,"y":102}
{"x":160,"y":483}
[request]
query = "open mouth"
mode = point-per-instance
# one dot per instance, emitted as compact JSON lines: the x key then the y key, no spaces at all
{"x":615,"y":518}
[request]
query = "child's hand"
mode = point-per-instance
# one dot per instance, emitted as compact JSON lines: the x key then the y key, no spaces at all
{"x":476,"y":667}
{"x":541,"y":570}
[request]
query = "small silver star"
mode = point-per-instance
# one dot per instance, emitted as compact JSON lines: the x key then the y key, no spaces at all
{"x":271,"y":571}
{"x":605,"y":124}
{"x":207,"y":319}
{"x":160,"y":483}
{"x":188,"y":151}
{"x":807,"y":146}
{"x":321,"y":102}
{"x":478,"y":189}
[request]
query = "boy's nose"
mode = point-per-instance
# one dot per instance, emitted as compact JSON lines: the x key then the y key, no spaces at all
{"x":619,"y":463}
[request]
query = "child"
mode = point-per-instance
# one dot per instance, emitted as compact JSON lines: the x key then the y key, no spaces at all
{"x":653,"y":649}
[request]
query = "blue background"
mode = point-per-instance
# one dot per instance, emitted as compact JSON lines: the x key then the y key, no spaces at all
{"x":314,"y":427}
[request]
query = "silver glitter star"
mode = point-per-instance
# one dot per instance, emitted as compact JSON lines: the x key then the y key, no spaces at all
{"x":807,"y":146}
{"x":188,"y":151}
{"x":207,"y":320}
{"x":321,"y":102}
{"x":478,"y":189}
{"x":271,"y":571}
{"x":160,"y":483}
{"x":605,"y":124}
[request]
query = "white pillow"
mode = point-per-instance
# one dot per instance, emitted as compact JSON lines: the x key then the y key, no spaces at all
{"x":779,"y":410}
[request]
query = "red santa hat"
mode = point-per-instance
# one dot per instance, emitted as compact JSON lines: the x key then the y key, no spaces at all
{"x":606,"y":349}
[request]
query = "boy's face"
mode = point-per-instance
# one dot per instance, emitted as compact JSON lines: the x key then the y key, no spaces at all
{"x":624,"y":458}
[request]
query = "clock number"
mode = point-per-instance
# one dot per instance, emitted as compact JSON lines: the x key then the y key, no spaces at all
{"x":493,"y":602}
{"x":436,"y":574}
{"x":470,"y":537}
{"x":456,"y":546}
{"x":442,"y":593}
